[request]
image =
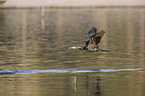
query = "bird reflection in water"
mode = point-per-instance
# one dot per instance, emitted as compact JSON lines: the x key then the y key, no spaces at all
{"x":94,"y":86}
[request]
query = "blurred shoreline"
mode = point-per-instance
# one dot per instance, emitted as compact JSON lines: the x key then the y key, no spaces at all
{"x":73,"y":4}
{"x":68,"y":7}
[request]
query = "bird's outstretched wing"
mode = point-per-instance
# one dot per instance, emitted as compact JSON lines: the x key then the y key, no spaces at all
{"x":92,"y":32}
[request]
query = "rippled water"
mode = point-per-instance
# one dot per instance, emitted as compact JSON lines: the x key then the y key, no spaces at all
{"x":35,"y":59}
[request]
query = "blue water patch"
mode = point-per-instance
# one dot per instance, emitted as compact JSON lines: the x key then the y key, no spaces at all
{"x":64,"y":71}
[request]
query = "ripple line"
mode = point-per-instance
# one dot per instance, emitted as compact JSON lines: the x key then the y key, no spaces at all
{"x":65,"y":71}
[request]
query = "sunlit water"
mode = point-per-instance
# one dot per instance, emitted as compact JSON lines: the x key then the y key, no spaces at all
{"x":35,"y":59}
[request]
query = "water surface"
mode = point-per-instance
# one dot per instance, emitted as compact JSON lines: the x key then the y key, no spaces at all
{"x":37,"y":40}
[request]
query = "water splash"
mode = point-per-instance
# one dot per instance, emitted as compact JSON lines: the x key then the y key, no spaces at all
{"x":64,"y":71}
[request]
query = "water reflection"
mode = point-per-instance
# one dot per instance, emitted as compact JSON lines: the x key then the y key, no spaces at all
{"x":71,"y":85}
{"x":94,"y":86}
{"x":49,"y":84}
